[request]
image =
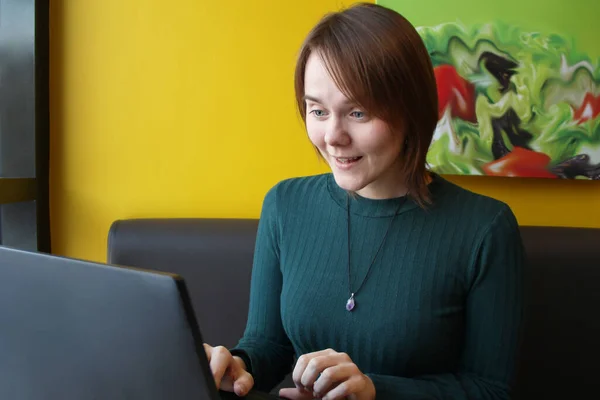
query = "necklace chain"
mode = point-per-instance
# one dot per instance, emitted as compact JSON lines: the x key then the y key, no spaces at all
{"x":351,"y":303}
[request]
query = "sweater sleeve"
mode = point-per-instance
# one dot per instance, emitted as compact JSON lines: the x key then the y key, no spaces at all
{"x":493,"y":325}
{"x":265,"y":345}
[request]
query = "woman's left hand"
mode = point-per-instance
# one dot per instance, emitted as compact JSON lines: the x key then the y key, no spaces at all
{"x":328,"y":375}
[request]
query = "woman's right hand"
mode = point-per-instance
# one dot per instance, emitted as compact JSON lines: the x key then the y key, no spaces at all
{"x":229,"y":371}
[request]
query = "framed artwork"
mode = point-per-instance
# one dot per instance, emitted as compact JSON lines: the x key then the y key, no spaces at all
{"x":518,"y":85}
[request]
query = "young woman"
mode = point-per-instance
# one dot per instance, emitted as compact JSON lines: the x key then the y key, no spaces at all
{"x":384,"y":279}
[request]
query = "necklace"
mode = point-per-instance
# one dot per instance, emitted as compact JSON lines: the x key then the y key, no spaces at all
{"x":351,"y":303}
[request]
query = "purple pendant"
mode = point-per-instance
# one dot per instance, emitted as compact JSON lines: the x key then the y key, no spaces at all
{"x":350,"y":303}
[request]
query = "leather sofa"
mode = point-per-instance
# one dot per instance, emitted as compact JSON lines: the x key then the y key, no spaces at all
{"x":560,"y":355}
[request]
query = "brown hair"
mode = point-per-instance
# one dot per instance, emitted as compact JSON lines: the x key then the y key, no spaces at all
{"x":379,"y":61}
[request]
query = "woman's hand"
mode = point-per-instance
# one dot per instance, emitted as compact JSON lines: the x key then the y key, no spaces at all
{"x":229,"y":372}
{"x":328,"y":375}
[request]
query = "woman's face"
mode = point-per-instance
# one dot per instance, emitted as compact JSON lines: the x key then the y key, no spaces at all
{"x":361,"y":150}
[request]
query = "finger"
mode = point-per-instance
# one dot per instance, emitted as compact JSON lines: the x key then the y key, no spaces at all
{"x":220,"y":360}
{"x":236,"y":379}
{"x":226,"y":384}
{"x":303,"y":361}
{"x":345,"y":389}
{"x":295,"y":394}
{"x":335,"y":375}
{"x":208,"y":350}
{"x":317,"y":365}
{"x":243,"y":382}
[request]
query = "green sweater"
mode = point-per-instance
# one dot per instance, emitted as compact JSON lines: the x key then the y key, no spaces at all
{"x":439,"y":315}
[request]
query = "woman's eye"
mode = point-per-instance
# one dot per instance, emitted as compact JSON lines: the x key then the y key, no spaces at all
{"x":358,"y":114}
{"x":318,"y":113}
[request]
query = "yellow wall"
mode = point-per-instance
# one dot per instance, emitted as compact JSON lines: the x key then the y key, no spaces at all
{"x":186,"y":109}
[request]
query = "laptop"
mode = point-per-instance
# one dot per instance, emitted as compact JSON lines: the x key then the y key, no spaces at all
{"x":73,"y":329}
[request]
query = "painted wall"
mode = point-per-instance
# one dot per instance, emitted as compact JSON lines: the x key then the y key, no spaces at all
{"x":188,"y":111}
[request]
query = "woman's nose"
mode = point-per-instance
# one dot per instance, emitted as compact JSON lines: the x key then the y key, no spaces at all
{"x":336,"y":134}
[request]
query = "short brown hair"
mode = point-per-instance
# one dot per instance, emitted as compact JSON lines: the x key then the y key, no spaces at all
{"x":379,"y":61}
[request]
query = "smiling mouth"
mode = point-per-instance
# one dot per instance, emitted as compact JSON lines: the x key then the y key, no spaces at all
{"x":347,"y":160}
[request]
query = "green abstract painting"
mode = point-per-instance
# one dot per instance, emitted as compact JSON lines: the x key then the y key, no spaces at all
{"x":518,"y":85}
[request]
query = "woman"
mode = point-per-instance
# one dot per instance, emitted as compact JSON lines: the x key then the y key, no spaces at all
{"x":386,"y":280}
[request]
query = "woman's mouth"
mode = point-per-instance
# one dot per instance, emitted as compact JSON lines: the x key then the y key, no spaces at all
{"x":346,"y":162}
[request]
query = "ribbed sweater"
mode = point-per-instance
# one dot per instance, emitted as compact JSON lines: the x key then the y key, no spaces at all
{"x":439,"y":314}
